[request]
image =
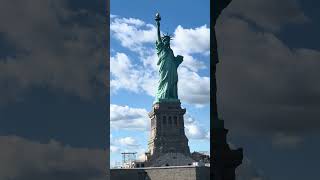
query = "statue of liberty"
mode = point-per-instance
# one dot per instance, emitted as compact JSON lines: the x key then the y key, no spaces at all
{"x":167,"y":90}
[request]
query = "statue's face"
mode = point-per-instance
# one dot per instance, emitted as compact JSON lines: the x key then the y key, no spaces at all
{"x":166,"y":41}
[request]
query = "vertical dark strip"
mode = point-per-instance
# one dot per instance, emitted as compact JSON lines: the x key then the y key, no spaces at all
{"x":213,"y":88}
{"x":223,"y":160}
{"x":107,"y":75}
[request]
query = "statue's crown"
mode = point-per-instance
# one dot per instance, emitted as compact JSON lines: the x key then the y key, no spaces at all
{"x":167,"y":36}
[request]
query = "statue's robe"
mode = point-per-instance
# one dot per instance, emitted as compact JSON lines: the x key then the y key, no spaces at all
{"x":168,"y":82}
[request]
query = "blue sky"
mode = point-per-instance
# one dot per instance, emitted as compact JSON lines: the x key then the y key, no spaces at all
{"x":134,"y":73}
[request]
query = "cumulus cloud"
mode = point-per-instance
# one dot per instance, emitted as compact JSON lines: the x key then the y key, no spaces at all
{"x":128,"y":141}
{"x":22,"y":159}
{"x":248,"y":171}
{"x":264,"y":85}
{"x":269,"y":14}
{"x":133,"y":33}
{"x":284,"y":140}
{"x":124,"y":73}
{"x":194,"y":130}
{"x":193,"y":88}
{"x":114,"y":149}
{"x":142,"y":69}
{"x":49,"y":53}
{"x":125,"y":117}
{"x":189,"y":41}
{"x":129,"y":144}
{"x":126,"y":144}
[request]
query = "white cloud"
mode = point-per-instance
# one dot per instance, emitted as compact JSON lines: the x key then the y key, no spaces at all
{"x":124,"y":117}
{"x":192,"y":63}
{"x":25,"y":159}
{"x":269,"y":14}
{"x":130,"y":21}
{"x":113,"y":16}
{"x":132,"y":33}
{"x":124,"y":73}
{"x":142,"y":156}
{"x":260,"y":72}
{"x":194,"y":130}
{"x":128,"y":141}
{"x":131,"y":77}
{"x":248,"y":171}
{"x":58,"y":56}
{"x":114,"y":149}
{"x":193,"y":88}
{"x":189,"y":41}
{"x":208,"y":135}
{"x":128,"y":144}
{"x":284,"y":140}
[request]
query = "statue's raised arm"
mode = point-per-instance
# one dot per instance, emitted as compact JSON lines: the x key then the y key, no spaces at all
{"x":158,"y":18}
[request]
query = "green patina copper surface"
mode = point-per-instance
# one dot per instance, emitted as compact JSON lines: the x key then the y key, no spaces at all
{"x":167,"y":90}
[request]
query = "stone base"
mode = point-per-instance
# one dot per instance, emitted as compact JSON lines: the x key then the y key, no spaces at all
{"x":167,"y":133}
{"x":170,"y":159}
{"x":162,"y":173}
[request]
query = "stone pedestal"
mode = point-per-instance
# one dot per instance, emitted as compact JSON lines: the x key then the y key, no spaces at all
{"x":167,"y":133}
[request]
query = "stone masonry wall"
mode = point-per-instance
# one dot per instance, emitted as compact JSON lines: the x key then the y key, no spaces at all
{"x":162,"y":173}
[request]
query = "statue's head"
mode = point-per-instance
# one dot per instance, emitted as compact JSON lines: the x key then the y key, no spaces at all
{"x":166,"y":40}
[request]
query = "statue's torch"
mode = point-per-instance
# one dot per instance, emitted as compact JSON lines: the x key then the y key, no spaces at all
{"x":157,"y":18}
